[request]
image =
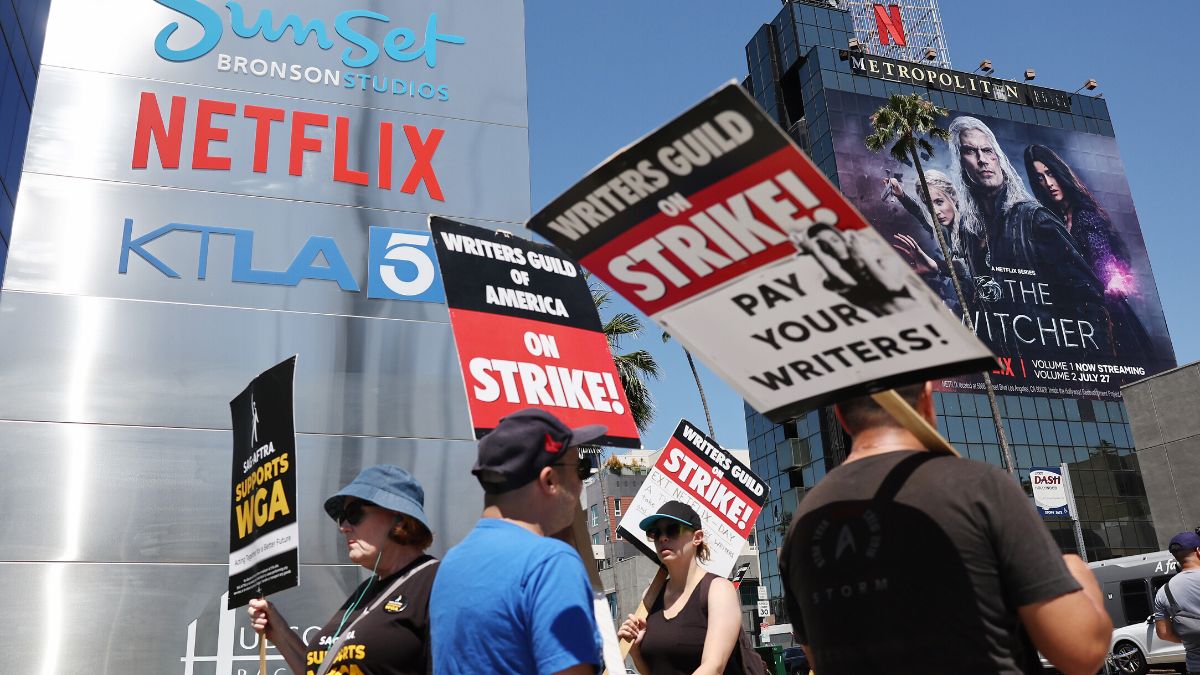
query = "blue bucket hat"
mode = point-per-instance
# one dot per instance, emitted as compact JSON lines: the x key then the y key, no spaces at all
{"x":387,"y":486}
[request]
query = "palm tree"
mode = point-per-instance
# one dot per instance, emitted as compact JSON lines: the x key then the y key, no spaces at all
{"x":908,"y":120}
{"x":666,"y":337}
{"x":634,"y":367}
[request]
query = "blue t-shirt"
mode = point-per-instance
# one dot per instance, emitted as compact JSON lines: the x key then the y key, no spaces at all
{"x":508,"y":601}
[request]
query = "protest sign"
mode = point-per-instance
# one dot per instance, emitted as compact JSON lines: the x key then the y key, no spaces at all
{"x":527,"y":332}
{"x":264,"y":537}
{"x":694,"y":470}
{"x":723,"y":232}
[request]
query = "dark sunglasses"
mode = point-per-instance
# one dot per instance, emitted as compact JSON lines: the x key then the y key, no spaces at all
{"x":671,"y":530}
{"x":583,"y":469}
{"x":353,"y":513}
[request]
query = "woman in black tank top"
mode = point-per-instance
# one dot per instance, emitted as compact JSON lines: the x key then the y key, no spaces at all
{"x":695,"y":620}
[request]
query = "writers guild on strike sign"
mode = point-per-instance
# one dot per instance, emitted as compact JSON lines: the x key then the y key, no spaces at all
{"x":726,"y":493}
{"x":527,"y":332}
{"x":263,"y":530}
{"x":746,"y":253}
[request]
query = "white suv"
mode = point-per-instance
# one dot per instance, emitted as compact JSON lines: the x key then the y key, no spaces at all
{"x":1136,"y":647}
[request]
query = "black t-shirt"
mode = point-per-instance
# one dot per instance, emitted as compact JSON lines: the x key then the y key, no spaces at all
{"x":910,"y":562}
{"x":393,"y":637}
{"x":675,"y":646}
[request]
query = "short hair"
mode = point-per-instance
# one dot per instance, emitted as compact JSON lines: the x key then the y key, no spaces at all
{"x":408,"y":531}
{"x":862,"y":413}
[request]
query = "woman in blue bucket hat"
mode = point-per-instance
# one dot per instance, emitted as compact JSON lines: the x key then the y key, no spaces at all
{"x":383,"y":627}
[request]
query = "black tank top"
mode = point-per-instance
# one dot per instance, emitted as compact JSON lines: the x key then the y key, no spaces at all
{"x":675,"y":646}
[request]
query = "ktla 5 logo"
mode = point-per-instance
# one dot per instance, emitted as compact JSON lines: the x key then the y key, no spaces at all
{"x":400,"y":263}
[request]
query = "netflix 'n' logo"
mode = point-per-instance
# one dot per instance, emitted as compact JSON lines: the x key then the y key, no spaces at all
{"x":889,"y":25}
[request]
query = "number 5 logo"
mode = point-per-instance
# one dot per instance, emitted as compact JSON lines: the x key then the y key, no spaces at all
{"x":400,"y":266}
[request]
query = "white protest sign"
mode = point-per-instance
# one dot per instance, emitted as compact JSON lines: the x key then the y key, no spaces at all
{"x":721,"y":230}
{"x":726,"y":494}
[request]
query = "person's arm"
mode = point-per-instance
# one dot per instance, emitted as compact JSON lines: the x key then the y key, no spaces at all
{"x":1165,"y":631}
{"x":724,"y":625}
{"x":1162,"y":623}
{"x":265,"y":619}
{"x":1072,"y":630}
{"x":633,"y":630}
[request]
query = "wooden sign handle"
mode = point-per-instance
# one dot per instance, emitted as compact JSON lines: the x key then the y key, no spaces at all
{"x":907,"y":416}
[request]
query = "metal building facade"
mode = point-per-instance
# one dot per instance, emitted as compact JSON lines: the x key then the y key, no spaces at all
{"x":258,"y":153}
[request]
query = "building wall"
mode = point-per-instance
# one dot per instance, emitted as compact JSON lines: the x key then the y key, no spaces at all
{"x":118,"y":371}
{"x":1092,"y":436}
{"x":1166,"y":429}
{"x":23,"y":29}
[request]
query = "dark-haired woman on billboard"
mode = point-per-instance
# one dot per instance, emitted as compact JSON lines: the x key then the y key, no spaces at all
{"x":1059,"y":189}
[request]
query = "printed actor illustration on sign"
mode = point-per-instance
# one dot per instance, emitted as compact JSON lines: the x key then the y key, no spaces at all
{"x":724,"y":233}
{"x":527,"y":332}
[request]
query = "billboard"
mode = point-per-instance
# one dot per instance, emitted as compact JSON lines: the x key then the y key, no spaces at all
{"x":1043,"y":235}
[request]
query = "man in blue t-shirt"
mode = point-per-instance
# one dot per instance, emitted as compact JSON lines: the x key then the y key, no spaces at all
{"x":509,"y":598}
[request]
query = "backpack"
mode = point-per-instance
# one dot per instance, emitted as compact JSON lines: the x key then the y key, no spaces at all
{"x":1186,"y":624}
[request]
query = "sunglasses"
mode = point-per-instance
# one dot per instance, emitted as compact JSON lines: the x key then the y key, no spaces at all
{"x":353,"y":513}
{"x":583,"y":469}
{"x":671,"y":530}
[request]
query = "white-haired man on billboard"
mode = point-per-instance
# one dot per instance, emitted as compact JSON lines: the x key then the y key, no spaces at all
{"x":1020,"y":237}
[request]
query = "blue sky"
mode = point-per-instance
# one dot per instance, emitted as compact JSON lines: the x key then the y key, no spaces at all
{"x":602,"y":74}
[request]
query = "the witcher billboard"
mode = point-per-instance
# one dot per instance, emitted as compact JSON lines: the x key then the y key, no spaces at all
{"x":1042,"y":232}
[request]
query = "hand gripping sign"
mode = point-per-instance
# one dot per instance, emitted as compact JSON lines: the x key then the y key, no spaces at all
{"x":264,"y":536}
{"x":527,"y":332}
{"x":726,"y":494}
{"x":723,"y":232}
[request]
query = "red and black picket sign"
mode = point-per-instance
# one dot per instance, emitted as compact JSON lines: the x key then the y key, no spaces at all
{"x":527,"y":332}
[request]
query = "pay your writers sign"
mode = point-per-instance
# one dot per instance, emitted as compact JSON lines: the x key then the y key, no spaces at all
{"x":723,"y":232}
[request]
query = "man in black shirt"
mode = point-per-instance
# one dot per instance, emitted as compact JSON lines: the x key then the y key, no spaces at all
{"x":902,"y":560}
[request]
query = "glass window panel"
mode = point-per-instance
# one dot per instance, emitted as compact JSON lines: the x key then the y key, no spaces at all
{"x":987,"y":430}
{"x":1037,"y":455}
{"x":1072,"y":408}
{"x":1043,"y":408}
{"x":1091,"y":435}
{"x":991,"y":454}
{"x":1053,"y":457}
{"x":1028,"y":409}
{"x":1022,"y":455}
{"x":1032,"y":432}
{"x":1016,"y":430}
{"x":971,"y":427}
{"x":1101,"y":411}
{"x":951,"y":404}
{"x":954,"y":430}
{"x":1057,"y":411}
{"x":1077,"y":435}
{"x":1048,"y":436}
